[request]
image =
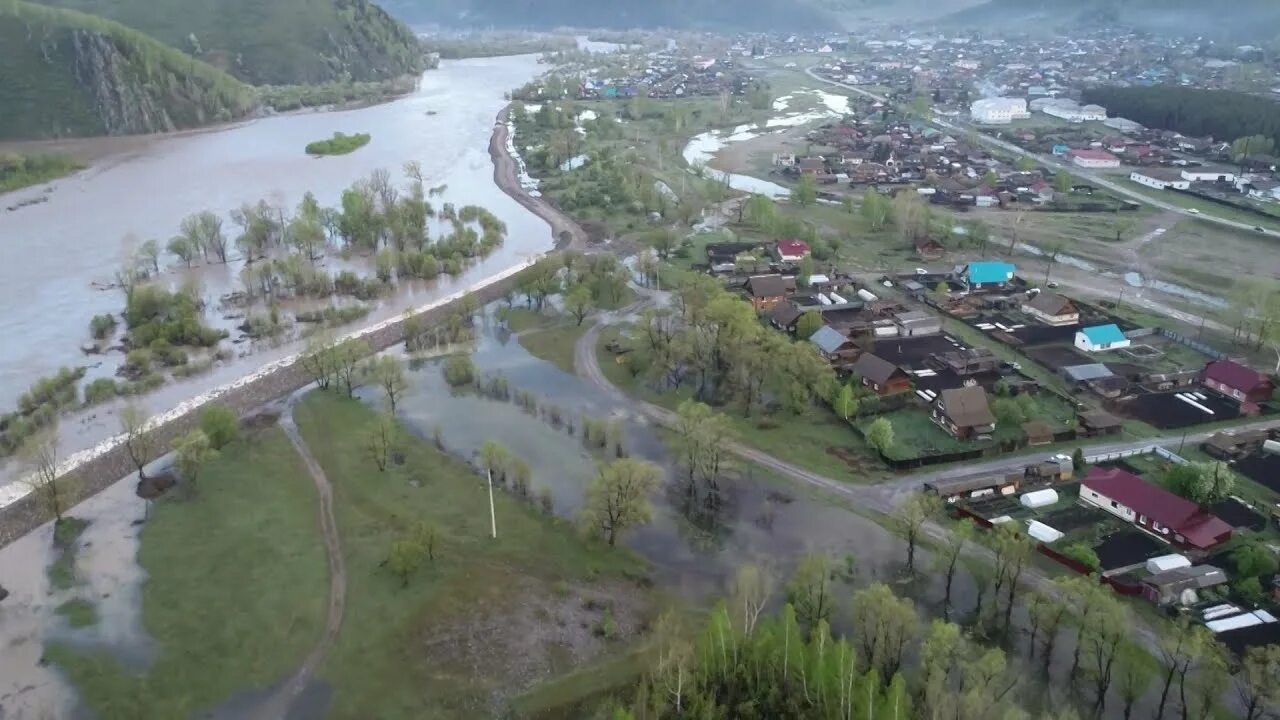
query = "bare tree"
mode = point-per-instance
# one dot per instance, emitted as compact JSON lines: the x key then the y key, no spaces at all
{"x":40,"y":454}
{"x":749,"y":592}
{"x":379,"y":440}
{"x":138,"y":440}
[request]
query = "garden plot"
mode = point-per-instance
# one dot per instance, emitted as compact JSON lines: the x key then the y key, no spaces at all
{"x":1182,"y":409}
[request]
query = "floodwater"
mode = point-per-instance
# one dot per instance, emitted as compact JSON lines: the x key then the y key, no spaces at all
{"x":51,"y":253}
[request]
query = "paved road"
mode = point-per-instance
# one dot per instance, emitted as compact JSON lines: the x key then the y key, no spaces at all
{"x":1054,"y":162}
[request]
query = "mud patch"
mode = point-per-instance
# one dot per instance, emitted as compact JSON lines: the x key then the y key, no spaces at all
{"x":312,"y":702}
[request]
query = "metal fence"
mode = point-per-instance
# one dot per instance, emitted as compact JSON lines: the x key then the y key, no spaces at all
{"x":1203,"y":349}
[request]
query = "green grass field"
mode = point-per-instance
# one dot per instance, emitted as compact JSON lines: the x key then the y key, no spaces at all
{"x":554,"y":344}
{"x":235,"y":594}
{"x":1206,"y":207}
{"x":470,"y":626}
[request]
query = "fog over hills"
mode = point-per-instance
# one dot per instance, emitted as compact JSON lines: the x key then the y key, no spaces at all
{"x":1243,"y":20}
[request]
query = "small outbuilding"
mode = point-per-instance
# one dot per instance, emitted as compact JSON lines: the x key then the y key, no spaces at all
{"x":1039,"y":498}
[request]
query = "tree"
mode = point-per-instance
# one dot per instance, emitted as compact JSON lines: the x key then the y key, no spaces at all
{"x":1256,"y":683}
{"x":910,"y":216}
{"x":1133,"y":675}
{"x":1203,"y":483}
{"x":379,"y":439}
{"x":318,"y":359}
{"x":1121,"y":225}
{"x":404,"y":558}
{"x":219,"y":425}
{"x":885,"y":625}
{"x":149,"y":254}
{"x":874,"y":209}
{"x":703,"y":436}
{"x":806,"y":191}
{"x":941,"y":293}
{"x":664,"y":241}
{"x":910,"y":517}
{"x":845,"y":403}
{"x":1104,"y":637}
{"x":388,"y":373}
{"x":809,"y":590}
{"x":139,"y":442}
{"x":804,"y":271}
{"x":192,"y":451}
{"x":749,"y":593}
{"x":1025,"y":164}
{"x":347,"y":356}
{"x":1062,"y":181}
{"x":880,"y":435}
{"x":40,"y":455}
{"x":808,"y":324}
{"x":1180,"y":647}
{"x":953,"y":547}
{"x":760,"y":211}
{"x":617,"y":498}
{"x":578,"y":302}
{"x":1242,"y":148}
{"x":493,"y":459}
{"x":182,"y":248}
{"x":459,"y":370}
{"x":1253,"y":560}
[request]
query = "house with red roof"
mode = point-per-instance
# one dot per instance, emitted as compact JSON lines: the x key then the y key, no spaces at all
{"x":1236,"y":381}
{"x":791,"y":250}
{"x":1092,"y":158}
{"x":1170,"y":517}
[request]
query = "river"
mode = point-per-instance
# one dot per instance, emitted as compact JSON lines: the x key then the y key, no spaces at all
{"x":52,"y":252}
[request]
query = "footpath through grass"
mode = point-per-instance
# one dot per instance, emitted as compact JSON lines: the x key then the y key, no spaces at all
{"x":482,"y":621}
{"x":236,"y":589}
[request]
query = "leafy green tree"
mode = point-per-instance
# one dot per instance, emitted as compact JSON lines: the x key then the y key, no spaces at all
{"x":219,"y":425}
{"x":760,"y":211}
{"x":874,"y":210}
{"x":805,"y":192}
{"x":880,"y":435}
{"x":578,"y":302}
{"x":948,"y":558}
{"x":845,"y":402}
{"x":1256,"y":682}
{"x":617,"y":497}
{"x":192,"y":452}
{"x":459,"y":370}
{"x":910,"y":517}
{"x":1254,"y":560}
{"x":809,"y":590}
{"x":884,"y":626}
{"x":1062,"y":181}
{"x":808,"y":324}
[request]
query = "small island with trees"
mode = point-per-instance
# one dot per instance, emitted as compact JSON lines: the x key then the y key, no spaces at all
{"x":339,"y":144}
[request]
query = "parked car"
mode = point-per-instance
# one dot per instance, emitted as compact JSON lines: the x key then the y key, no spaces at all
{"x":1259,"y":228}
{"x":921,"y":271}
{"x":1193,"y":211}
{"x":1053,"y":284}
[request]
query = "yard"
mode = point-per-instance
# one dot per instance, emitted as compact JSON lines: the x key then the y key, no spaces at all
{"x":915,"y":435}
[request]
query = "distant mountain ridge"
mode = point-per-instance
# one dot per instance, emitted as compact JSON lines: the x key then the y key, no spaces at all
{"x":65,"y":73}
{"x":274,"y":41}
{"x":1243,"y":20}
{"x":731,"y":15}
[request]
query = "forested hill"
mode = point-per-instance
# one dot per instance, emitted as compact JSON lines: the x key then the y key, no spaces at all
{"x":1243,"y":20}
{"x":65,"y":73}
{"x":274,"y":42}
{"x":546,"y":14}
{"x":1221,"y":114}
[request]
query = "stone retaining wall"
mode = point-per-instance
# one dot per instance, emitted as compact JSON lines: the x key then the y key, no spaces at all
{"x":95,"y":469}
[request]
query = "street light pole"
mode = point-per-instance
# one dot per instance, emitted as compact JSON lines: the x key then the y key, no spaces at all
{"x":493,"y":517}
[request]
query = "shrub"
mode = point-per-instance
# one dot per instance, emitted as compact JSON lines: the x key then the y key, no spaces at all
{"x":99,"y":391}
{"x":101,"y":326}
{"x":1082,"y":554}
{"x":219,"y":424}
{"x":459,"y":371}
{"x":138,"y":360}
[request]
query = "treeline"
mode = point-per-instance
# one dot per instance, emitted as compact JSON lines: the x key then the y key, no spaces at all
{"x":19,"y":171}
{"x":283,"y":98}
{"x":1223,"y":114}
{"x":494,"y":45}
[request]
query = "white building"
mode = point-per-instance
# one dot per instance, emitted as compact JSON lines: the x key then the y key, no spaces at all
{"x":1208,"y":174}
{"x":1090,"y":158}
{"x":1070,"y":110}
{"x":998,"y":111}
{"x":1100,"y":338}
{"x":1160,"y":178}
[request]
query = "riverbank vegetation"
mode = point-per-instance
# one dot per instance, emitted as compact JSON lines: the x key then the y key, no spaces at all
{"x":342,"y":93}
{"x":18,"y":171}
{"x":494,"y":44}
{"x":339,"y":144}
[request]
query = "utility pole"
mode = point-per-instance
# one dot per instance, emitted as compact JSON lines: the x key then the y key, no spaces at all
{"x":493,"y":517}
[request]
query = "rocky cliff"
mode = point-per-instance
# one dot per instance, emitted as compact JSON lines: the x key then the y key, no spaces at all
{"x":70,"y":74}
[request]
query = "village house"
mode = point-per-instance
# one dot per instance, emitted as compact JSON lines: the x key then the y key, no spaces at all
{"x":917,"y":322}
{"x":1236,"y":381}
{"x":1052,"y":309}
{"x":880,"y":375}
{"x":1208,"y":174}
{"x":1092,"y":423}
{"x":998,"y":111}
{"x":1090,"y":158}
{"x":791,"y":250}
{"x":766,"y":291}
{"x":1179,"y":585}
{"x":988,"y":274}
{"x":1230,"y":446}
{"x":964,"y":412}
{"x":1100,"y":338}
{"x":836,"y":348}
{"x":784,"y":316}
{"x":1160,"y":178}
{"x":1172,"y":518}
{"x":951,"y":490}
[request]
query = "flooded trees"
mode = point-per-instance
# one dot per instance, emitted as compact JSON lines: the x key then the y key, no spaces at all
{"x":884,"y":626}
{"x":618,"y":497}
{"x":702,"y":437}
{"x":910,"y":518}
{"x":809,"y":590}
{"x":387,"y":372}
{"x":948,"y":558}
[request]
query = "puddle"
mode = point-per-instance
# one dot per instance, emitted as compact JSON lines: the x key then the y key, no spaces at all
{"x":1134,"y":279}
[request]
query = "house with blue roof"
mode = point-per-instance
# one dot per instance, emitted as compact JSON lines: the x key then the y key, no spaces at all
{"x":988,"y":274}
{"x":1101,"y":337}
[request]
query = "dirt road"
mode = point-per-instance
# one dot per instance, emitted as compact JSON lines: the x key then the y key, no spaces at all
{"x":506,"y":173}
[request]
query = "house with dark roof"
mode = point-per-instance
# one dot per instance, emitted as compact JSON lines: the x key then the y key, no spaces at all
{"x":1179,"y":585}
{"x":1170,"y":517}
{"x":766,"y":291}
{"x":964,"y":412}
{"x":880,"y":375}
{"x":1236,"y":381}
{"x":1052,"y":309}
{"x":784,"y":316}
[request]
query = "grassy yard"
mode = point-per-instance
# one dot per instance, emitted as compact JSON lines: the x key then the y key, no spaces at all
{"x":236,"y":589}
{"x":916,"y":435}
{"x":554,"y":344}
{"x":1206,"y":207}
{"x":482,"y":621}
{"x":817,"y":440}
